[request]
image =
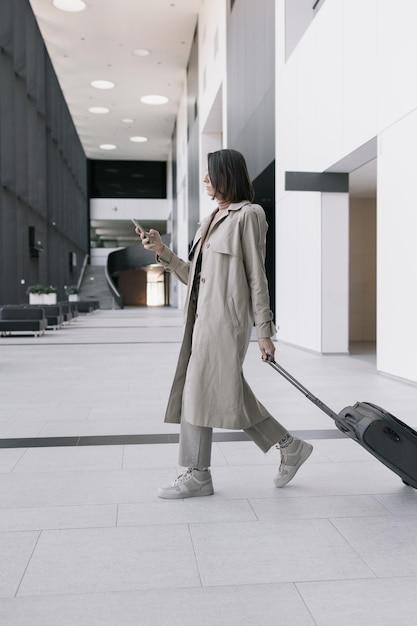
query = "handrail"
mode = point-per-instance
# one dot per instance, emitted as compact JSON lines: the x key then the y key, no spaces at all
{"x":80,"y":279}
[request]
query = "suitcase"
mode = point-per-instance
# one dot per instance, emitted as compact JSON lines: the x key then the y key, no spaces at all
{"x":391,"y":441}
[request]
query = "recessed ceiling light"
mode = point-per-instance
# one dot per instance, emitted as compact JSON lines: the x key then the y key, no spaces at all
{"x":99,"y":110}
{"x":107,"y":146}
{"x":69,"y":5}
{"x":138,"y":139}
{"x":154,"y":100}
{"x":141,"y":52}
{"x":102,"y":84}
{"x":127,"y":120}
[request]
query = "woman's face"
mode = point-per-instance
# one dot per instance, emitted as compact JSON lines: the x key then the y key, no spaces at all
{"x":209,"y":188}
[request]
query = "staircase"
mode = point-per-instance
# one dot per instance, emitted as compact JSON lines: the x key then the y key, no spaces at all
{"x":95,"y":287}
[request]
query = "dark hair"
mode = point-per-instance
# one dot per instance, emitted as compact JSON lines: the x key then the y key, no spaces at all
{"x":229,"y":175}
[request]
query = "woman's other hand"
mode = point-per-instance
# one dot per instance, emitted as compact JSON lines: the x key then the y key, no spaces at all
{"x":151,"y":240}
{"x":266,"y":347}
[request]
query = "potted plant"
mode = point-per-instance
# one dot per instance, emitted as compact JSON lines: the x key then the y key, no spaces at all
{"x":72,"y":293}
{"x":50,"y":295}
{"x":36,"y":294}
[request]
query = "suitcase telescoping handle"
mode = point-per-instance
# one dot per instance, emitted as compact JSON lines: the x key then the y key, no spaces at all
{"x":301,"y":388}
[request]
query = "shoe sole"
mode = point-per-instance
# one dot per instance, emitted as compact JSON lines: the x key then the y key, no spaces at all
{"x":291,"y":475}
{"x":181,"y":495}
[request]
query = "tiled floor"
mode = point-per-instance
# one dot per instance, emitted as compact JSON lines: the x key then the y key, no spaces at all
{"x":85,"y":541}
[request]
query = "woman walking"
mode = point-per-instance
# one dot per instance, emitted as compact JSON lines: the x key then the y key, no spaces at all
{"x":227,"y":294}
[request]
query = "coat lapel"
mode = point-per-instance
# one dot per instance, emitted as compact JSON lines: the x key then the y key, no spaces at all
{"x":199,"y":236}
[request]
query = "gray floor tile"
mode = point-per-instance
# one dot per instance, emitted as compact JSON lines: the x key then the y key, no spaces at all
{"x":387,"y":544}
{"x":272,"y":509}
{"x":9,"y":458}
{"x":70,"y":459}
{"x":80,"y":488}
{"x":344,"y":516}
{"x":21,"y":428}
{"x":342,"y":451}
{"x":118,"y":559}
{"x":15,"y":549}
{"x":314,"y":479}
{"x":266,"y":605}
{"x":191,"y":510}
{"x":58,"y":517}
{"x":362,"y":602}
{"x":74,"y":427}
{"x":285,"y":551}
{"x":57,"y":411}
{"x":404,"y":504}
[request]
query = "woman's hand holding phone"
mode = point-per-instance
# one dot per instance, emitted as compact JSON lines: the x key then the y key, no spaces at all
{"x":151,"y":240}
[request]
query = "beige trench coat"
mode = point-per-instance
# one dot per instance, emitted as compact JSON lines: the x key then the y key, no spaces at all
{"x":209,"y":388}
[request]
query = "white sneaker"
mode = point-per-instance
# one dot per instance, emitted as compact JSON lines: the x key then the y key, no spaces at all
{"x":292,"y":458}
{"x":191,"y":483}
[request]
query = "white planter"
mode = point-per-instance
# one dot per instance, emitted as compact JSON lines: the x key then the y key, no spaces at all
{"x":73,"y":297}
{"x":49,"y":298}
{"x":36,"y":298}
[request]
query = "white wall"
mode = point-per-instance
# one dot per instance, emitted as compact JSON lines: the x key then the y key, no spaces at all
{"x":212,"y":73}
{"x":211,"y":54}
{"x":350,"y":79}
{"x":298,"y":269}
{"x":397,"y":250}
{"x":212,"y":69}
{"x":182,"y":193}
{"x":126,"y":208}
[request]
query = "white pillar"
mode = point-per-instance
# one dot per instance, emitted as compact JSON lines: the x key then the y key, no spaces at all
{"x":312,"y":270}
{"x":334,"y":272}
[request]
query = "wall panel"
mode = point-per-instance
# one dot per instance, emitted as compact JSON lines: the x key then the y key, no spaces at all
{"x":43,"y":179}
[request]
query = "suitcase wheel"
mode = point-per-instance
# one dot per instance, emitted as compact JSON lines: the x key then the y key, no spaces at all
{"x":408,"y":484}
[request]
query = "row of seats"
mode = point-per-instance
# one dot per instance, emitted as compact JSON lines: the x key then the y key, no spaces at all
{"x":37,"y":318}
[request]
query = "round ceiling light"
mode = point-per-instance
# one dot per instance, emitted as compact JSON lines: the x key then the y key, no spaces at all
{"x":138,"y":139}
{"x":102,"y":84}
{"x":127,"y":120}
{"x":154,"y":99}
{"x":107,"y":146}
{"x":69,"y":5}
{"x":99,"y":110}
{"x":141,"y":52}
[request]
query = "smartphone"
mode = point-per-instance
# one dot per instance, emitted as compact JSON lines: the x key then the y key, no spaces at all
{"x":142,"y":230}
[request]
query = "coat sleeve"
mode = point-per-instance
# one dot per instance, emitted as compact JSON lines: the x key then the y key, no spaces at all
{"x":173,"y":263}
{"x":253,"y":237}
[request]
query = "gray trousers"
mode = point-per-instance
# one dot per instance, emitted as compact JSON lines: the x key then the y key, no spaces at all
{"x":195,"y":441}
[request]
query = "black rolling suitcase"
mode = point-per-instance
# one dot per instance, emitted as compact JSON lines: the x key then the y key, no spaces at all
{"x":391,"y":441}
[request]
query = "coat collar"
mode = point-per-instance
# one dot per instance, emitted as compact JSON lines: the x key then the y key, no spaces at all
{"x":234,"y":206}
{"x":205,"y":223}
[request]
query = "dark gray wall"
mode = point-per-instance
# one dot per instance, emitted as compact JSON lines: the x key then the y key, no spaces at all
{"x":251,"y":82}
{"x":43,"y":174}
{"x":251,"y":104}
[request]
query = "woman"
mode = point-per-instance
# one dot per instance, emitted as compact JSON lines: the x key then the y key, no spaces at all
{"x":227,"y":293}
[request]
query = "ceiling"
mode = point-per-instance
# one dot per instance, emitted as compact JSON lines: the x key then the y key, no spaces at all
{"x":98,"y":44}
